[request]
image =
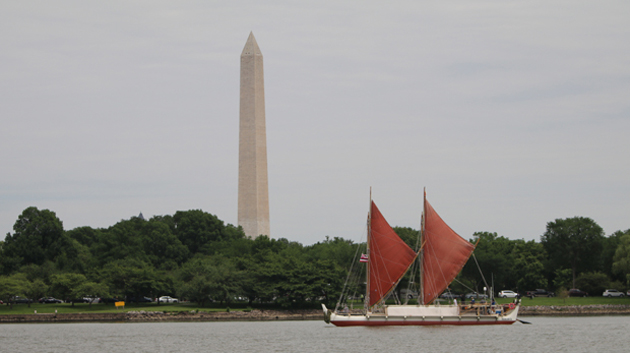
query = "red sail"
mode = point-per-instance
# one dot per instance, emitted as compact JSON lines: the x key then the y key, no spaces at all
{"x":389,"y":257}
{"x":444,"y":254}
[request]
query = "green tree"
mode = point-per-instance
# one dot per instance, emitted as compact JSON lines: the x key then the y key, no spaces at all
{"x":42,"y":272}
{"x":528,"y":266}
{"x":621,"y":260}
{"x":131,"y":277}
{"x":11,"y":286}
{"x":148,"y":241}
{"x":91,"y":289}
{"x":494,"y":255}
{"x":337,"y":250}
{"x":610,"y":245}
{"x":574,"y":243}
{"x":206,"y":278}
{"x":594,"y":283}
{"x":35,"y":239}
{"x":195,"y":228}
{"x":124,"y":240}
{"x":85,"y":235}
{"x":161,"y":246}
{"x":562,"y":278}
{"x":73,"y":256}
{"x":36,"y":289}
{"x":63,"y":285}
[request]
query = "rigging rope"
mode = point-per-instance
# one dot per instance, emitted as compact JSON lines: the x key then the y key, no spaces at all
{"x":479,"y":268}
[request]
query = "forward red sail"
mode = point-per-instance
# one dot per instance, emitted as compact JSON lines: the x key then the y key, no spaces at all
{"x":389,"y":257}
{"x":444,"y":254}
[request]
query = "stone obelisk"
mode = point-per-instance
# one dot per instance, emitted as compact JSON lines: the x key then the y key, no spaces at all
{"x":253,"y":195}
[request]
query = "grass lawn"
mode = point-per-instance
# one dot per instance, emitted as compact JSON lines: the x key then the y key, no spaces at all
{"x":569,"y":301}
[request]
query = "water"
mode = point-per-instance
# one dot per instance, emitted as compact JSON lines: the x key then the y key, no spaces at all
{"x":546,"y":334}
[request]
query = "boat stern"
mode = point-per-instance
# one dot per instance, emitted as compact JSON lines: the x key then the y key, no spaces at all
{"x":512,"y":313}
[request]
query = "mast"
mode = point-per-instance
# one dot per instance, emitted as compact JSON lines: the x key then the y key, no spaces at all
{"x":421,"y":254}
{"x":367,"y":272}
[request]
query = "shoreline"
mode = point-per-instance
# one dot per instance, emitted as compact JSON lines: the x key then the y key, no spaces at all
{"x":574,"y":310}
{"x":159,"y":316}
{"x":273,"y":315}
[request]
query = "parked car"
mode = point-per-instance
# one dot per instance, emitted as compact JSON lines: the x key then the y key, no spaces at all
{"x":476,"y":296}
{"x":449,"y":295}
{"x":21,"y":300}
{"x":577,"y":293}
{"x":540,"y":293}
{"x":612,"y":293}
{"x":507,"y":294}
{"x":167,"y":299}
{"x":50,"y":300}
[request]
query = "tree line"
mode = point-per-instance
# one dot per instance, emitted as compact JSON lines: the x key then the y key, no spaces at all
{"x":193,"y":255}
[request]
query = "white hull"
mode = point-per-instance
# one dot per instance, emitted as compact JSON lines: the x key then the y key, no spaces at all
{"x":428,"y":315}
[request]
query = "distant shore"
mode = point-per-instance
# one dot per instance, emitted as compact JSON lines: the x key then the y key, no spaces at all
{"x":181,"y":316}
{"x":574,"y":310}
{"x":273,"y":315}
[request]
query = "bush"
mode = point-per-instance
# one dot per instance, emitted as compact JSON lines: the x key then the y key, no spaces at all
{"x":593,"y":282}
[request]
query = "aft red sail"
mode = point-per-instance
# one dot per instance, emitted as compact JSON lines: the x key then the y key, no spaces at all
{"x":389,"y":257}
{"x":444,"y":254}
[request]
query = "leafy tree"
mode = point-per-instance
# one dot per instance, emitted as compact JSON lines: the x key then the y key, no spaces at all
{"x":574,"y":243}
{"x":132,"y":277}
{"x":528,"y":266}
{"x":124,"y":240}
{"x":594,"y":283}
{"x":35,"y":239}
{"x":562,"y":278}
{"x":621,"y":264}
{"x":148,"y":241}
{"x":494,"y":255}
{"x":610,"y":245}
{"x":73,"y":256}
{"x":63,"y":285}
{"x":36,"y":289}
{"x":85,"y":235}
{"x":196,"y":228}
{"x":205,"y":278}
{"x":12,"y":286}
{"x":42,"y":272}
{"x":91,"y":289}
{"x":339,"y":251}
{"x":162,"y":247}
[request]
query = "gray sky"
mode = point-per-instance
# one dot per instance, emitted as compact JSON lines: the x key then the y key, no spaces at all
{"x":511,"y":113}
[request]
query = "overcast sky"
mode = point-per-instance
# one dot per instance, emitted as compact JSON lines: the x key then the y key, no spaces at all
{"x":511,"y":113}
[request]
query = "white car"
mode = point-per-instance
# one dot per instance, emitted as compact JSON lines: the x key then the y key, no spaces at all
{"x":612,"y":293}
{"x":507,"y":294}
{"x":167,"y":299}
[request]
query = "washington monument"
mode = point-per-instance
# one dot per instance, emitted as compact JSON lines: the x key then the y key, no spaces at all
{"x":253,"y":195}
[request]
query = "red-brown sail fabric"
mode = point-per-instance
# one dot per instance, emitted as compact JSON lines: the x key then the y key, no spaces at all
{"x":444,"y":254}
{"x":389,"y":257}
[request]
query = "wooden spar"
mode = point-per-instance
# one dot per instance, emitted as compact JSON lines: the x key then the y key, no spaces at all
{"x":367,"y":272}
{"x":421,"y":251}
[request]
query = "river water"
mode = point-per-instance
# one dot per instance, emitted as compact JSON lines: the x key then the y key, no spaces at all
{"x":545,"y":334}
